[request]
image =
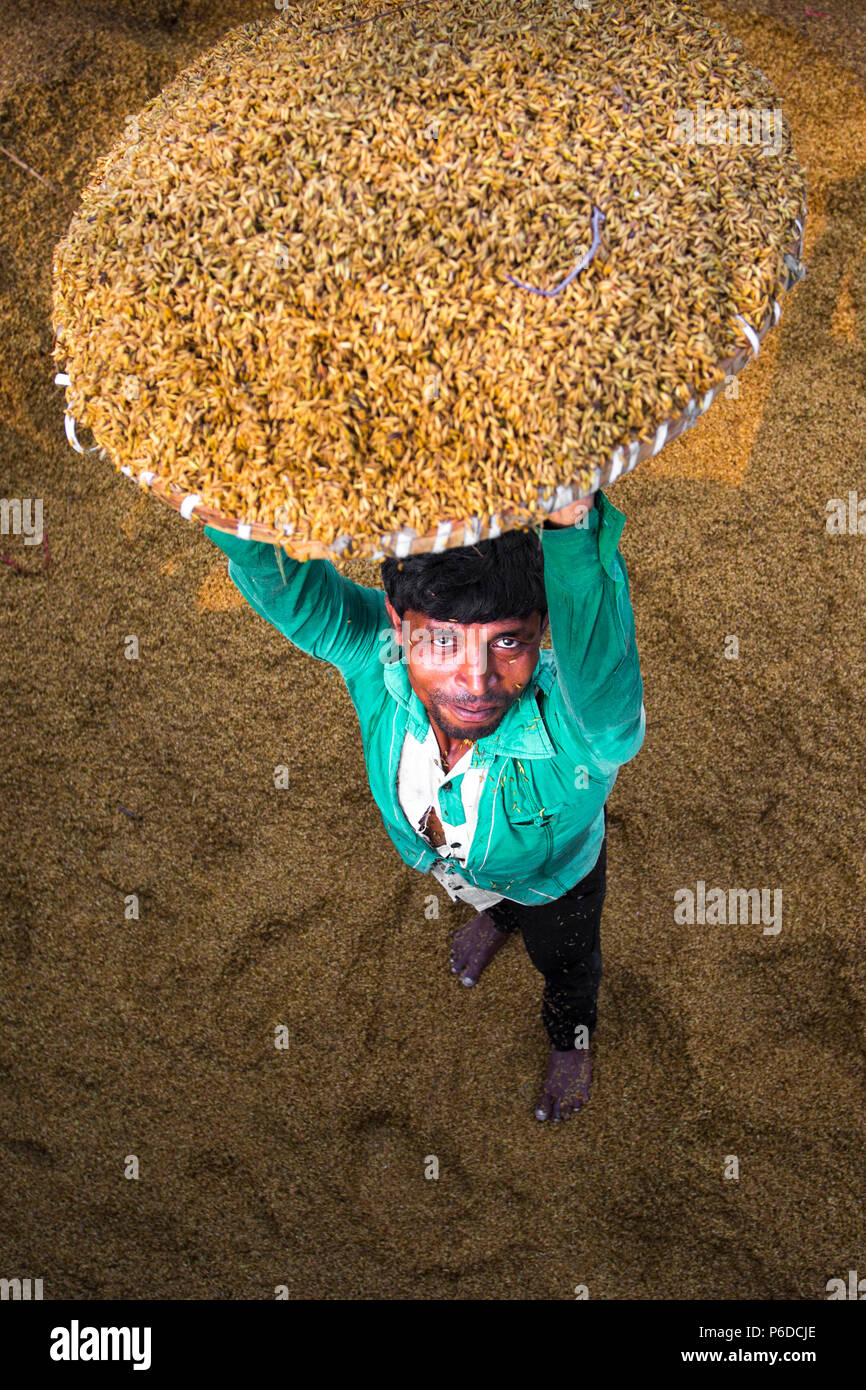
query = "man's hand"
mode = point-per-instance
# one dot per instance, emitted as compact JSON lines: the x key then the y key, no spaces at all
{"x":566,"y":516}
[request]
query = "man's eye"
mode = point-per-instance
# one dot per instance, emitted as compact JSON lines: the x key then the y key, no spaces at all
{"x":449,"y":639}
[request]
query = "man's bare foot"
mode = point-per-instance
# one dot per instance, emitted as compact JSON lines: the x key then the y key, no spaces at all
{"x":566,"y":1085}
{"x":474,"y":946}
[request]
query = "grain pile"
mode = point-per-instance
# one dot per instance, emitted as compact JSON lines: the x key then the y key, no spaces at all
{"x":289,"y":292}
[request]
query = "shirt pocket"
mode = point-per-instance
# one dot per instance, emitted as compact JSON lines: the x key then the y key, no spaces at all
{"x":537,"y":827}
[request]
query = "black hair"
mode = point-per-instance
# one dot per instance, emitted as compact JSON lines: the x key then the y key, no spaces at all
{"x":482,"y":583}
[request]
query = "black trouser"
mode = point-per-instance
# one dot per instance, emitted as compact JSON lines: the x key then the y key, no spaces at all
{"x":563,"y":941}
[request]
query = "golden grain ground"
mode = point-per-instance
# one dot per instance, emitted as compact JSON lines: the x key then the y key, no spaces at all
{"x":153,"y":1037}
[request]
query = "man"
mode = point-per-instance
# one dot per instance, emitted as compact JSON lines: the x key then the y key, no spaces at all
{"x":483,"y":751}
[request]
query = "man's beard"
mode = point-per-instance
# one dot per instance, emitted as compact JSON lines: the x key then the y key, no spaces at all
{"x":444,"y":717}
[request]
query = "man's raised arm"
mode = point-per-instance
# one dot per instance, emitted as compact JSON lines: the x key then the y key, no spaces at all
{"x":599,"y":690}
{"x":308,"y":601}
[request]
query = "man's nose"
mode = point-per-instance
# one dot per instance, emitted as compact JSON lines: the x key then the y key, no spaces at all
{"x":473,"y":669}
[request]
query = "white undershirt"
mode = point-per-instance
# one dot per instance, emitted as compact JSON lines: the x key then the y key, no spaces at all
{"x":419,"y":777}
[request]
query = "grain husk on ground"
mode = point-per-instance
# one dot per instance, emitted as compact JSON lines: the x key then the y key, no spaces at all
{"x":285,"y":299}
{"x":306,"y":1167}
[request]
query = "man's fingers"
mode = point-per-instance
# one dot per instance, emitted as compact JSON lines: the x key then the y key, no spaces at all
{"x":566,"y":516}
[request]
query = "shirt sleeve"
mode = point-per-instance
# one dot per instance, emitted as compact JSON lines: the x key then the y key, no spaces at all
{"x":599,"y":689}
{"x":318,"y":609}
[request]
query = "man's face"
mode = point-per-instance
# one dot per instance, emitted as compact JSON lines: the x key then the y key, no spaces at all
{"x":460,"y":670}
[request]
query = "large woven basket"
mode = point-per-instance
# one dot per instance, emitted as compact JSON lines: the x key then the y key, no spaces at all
{"x":602,"y":470}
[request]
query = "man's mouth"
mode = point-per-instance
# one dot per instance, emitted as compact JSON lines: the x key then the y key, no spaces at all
{"x":475,"y":713}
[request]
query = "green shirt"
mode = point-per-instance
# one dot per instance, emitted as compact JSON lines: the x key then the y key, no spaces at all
{"x":552,"y":760}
